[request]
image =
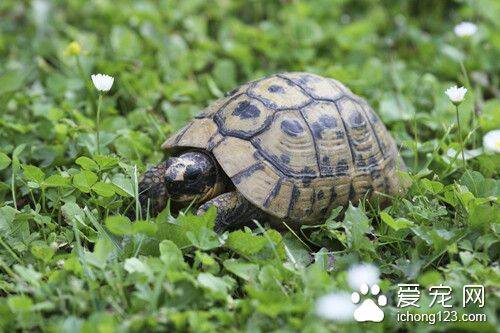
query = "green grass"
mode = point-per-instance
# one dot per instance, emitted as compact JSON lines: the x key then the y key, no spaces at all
{"x":71,"y":261}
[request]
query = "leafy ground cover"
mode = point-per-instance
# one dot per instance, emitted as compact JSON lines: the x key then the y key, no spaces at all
{"x":70,"y":259}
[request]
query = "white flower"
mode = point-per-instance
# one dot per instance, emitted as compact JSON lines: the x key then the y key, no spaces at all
{"x":134,"y":265}
{"x":465,"y":29}
{"x":468,"y":154}
{"x":455,"y":94}
{"x":335,"y":306}
{"x":41,"y":11}
{"x":358,"y":275}
{"x":491,"y":141}
{"x":102,"y":82}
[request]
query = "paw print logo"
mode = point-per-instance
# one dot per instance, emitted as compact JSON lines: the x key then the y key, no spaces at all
{"x":369,"y":310}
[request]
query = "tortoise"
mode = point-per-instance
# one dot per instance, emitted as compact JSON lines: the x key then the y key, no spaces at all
{"x":288,"y":147}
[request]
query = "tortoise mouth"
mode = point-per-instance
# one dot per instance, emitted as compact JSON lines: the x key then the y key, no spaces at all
{"x":152,"y":198}
{"x":153,"y":194}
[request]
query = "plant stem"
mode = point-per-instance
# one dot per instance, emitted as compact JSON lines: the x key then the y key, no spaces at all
{"x":11,"y":252}
{"x":473,"y":113}
{"x":464,"y":73}
{"x":460,"y":135}
{"x":97,"y":125}
{"x":85,"y":80}
{"x":12,"y":187}
{"x":416,"y":141}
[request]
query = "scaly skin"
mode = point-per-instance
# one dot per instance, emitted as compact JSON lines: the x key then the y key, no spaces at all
{"x":233,"y":211}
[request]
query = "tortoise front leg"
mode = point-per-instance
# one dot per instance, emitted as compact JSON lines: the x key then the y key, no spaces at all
{"x":233,"y":211}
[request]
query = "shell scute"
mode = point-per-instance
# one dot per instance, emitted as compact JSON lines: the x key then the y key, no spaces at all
{"x":288,"y":135}
{"x":278,"y":94}
{"x":317,"y":87}
{"x":326,"y":124}
{"x":243,"y":117}
{"x":196,"y":134}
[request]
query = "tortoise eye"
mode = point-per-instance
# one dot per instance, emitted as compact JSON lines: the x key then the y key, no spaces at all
{"x":192,"y":176}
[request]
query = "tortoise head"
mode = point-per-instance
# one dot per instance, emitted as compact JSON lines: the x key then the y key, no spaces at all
{"x":190,"y":176}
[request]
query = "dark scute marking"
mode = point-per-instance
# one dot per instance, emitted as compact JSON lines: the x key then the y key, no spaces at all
{"x":360,"y":162}
{"x":365,"y":148}
{"x":312,"y":201}
{"x":279,"y":168}
{"x":372,"y":119}
{"x":333,"y":196}
{"x":372,"y":162}
{"x":357,"y":120}
{"x":373,"y":168}
{"x":211,"y":142}
{"x":285,"y":158}
{"x":342,"y":168}
{"x":293,"y":199}
{"x":352,"y":193}
{"x":383,"y":147}
{"x":231,"y":93}
{"x":304,"y":79}
{"x":324,"y":122}
{"x":306,"y":181}
{"x":267,"y":102}
{"x":246,"y":110}
{"x":375,"y":174}
{"x":314,"y":139}
{"x":351,"y":149}
{"x":237,"y":178}
{"x":276,"y":89}
{"x":320,"y":195}
{"x":273,"y":194}
{"x":317,"y":130}
{"x":327,"y":121}
{"x":292,"y":127}
{"x":308,"y":171}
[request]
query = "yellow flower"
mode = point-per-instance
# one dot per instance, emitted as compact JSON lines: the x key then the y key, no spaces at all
{"x":73,"y":49}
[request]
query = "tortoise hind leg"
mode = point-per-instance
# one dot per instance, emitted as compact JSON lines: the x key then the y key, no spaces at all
{"x":233,"y":211}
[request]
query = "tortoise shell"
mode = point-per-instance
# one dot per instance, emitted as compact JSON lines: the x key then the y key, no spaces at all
{"x":296,"y":145}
